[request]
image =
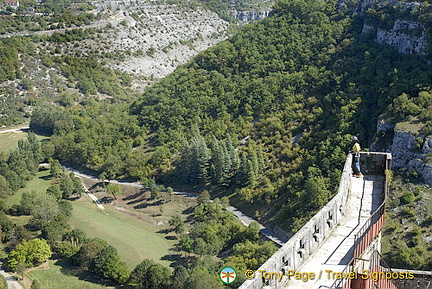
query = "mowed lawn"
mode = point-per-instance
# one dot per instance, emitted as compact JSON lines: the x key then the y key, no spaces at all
{"x":40,"y":183}
{"x":64,"y":276}
{"x":9,"y":140}
{"x":134,"y":239}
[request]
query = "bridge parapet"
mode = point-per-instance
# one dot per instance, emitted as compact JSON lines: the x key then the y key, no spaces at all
{"x":305,"y":242}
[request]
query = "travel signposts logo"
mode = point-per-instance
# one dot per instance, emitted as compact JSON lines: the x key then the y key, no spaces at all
{"x":228,"y":275}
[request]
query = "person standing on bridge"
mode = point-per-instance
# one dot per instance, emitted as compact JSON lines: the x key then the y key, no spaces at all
{"x":356,"y":152}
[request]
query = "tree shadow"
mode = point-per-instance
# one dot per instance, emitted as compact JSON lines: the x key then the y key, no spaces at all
{"x":164,"y":231}
{"x":173,"y":238}
{"x":106,"y":200}
{"x":141,"y":206}
{"x":133,"y":196}
{"x":46,"y":178}
{"x":188,"y":211}
{"x":136,"y":201}
{"x":67,"y":268}
{"x":178,"y":259}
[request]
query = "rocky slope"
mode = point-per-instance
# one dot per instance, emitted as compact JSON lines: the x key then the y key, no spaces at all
{"x":409,"y":148}
{"x":151,"y":40}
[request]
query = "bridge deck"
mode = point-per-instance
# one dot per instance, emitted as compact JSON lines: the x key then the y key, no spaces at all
{"x":336,"y":251}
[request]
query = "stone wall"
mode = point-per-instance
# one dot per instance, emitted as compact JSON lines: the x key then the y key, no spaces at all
{"x":294,"y":252}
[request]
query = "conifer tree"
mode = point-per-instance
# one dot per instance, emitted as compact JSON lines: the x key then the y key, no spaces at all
{"x":217,"y":158}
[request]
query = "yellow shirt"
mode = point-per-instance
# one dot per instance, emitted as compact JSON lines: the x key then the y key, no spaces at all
{"x":356,"y":148}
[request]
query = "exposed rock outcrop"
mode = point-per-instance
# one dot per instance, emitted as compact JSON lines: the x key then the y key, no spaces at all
{"x":248,"y":16}
{"x":400,"y":37}
{"x":412,"y":152}
{"x":409,"y":149}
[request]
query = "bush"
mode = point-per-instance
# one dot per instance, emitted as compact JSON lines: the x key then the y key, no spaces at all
{"x":407,"y":198}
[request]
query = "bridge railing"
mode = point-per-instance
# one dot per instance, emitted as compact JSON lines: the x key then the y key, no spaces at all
{"x":304,"y":243}
{"x":374,"y":163}
{"x":370,"y":273}
{"x":294,"y":252}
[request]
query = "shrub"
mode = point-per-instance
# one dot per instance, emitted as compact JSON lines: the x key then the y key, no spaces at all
{"x":407,"y":198}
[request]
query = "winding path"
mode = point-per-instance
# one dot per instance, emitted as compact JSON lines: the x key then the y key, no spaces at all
{"x":246,"y":220}
{"x":12,"y":282}
{"x":17,"y":129}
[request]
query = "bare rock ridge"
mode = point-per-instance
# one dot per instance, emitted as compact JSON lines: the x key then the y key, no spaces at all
{"x":409,"y":149}
{"x":405,"y":35}
{"x":159,"y":37}
{"x":399,"y":38}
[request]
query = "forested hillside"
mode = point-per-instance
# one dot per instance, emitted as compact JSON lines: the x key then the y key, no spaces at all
{"x":264,"y":118}
{"x":288,"y":92}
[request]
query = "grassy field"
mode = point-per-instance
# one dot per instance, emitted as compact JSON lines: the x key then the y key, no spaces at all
{"x":134,"y":239}
{"x":39,"y":183}
{"x":63,"y":276}
{"x":9,"y":140}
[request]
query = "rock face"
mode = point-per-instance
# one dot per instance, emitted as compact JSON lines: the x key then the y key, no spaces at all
{"x":248,"y":16}
{"x":154,"y":39}
{"x":403,"y":36}
{"x":408,"y":151}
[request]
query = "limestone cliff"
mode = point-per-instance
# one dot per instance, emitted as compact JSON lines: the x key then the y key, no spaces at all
{"x":400,"y":24}
{"x":408,"y":148}
{"x":403,"y":36}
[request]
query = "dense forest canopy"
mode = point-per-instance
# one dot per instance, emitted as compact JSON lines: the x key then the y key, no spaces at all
{"x":266,"y":115}
{"x":263,"y":119}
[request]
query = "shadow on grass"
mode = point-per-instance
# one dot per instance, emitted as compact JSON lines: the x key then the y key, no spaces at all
{"x":164,"y":231}
{"x":141,"y":206}
{"x":188,"y":211}
{"x":46,"y":178}
{"x":178,"y":259}
{"x":71,"y":270}
{"x":134,"y":196}
{"x":106,"y":200}
{"x":136,"y":201}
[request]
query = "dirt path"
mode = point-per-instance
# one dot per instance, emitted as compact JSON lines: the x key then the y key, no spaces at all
{"x":246,"y":220}
{"x":17,"y":129}
{"x":12,"y":282}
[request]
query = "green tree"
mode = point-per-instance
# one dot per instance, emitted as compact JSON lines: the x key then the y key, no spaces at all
{"x":107,"y":264}
{"x":55,"y":167}
{"x":150,"y":275}
{"x":45,"y":209}
{"x":201,"y":278}
{"x":75,"y":237}
{"x":179,"y":277}
{"x":204,"y":197}
{"x":30,"y":253}
{"x":55,"y":191}
{"x":89,"y":251}
{"x":67,"y":186}
{"x":177,"y":223}
{"x":114,"y":189}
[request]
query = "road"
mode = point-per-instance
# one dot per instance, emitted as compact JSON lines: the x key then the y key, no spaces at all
{"x":12,"y":282}
{"x":17,"y":129}
{"x":246,"y":220}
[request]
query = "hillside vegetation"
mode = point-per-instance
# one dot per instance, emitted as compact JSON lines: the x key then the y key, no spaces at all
{"x":294,"y":86}
{"x":264,"y":119}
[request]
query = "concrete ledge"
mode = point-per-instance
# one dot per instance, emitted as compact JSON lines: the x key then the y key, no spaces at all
{"x":294,"y":252}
